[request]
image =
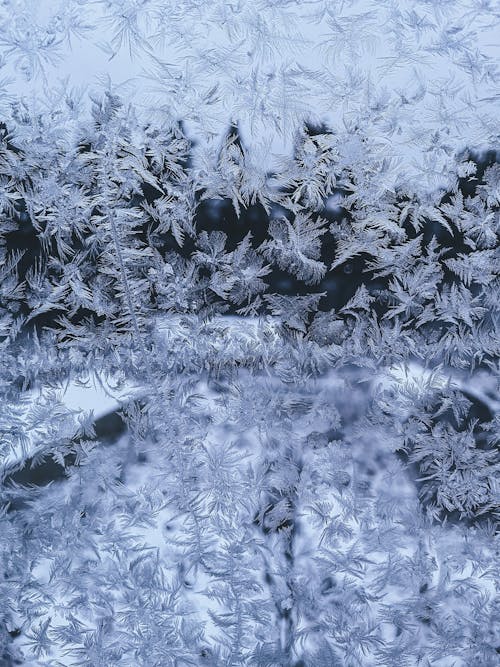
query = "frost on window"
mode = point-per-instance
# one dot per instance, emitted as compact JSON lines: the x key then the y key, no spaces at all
{"x":249,"y":345}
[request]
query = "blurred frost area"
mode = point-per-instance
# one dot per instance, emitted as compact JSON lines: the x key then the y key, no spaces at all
{"x":419,"y":77}
{"x":244,"y":342}
{"x":326,"y":521}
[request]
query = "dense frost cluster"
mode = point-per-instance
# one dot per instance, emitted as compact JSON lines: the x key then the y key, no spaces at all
{"x":249,"y":351}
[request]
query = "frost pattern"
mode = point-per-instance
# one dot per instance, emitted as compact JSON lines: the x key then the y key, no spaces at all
{"x":300,"y":466}
{"x":419,"y":76}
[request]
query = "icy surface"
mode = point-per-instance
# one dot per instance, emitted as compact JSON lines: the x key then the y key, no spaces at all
{"x":421,"y":78}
